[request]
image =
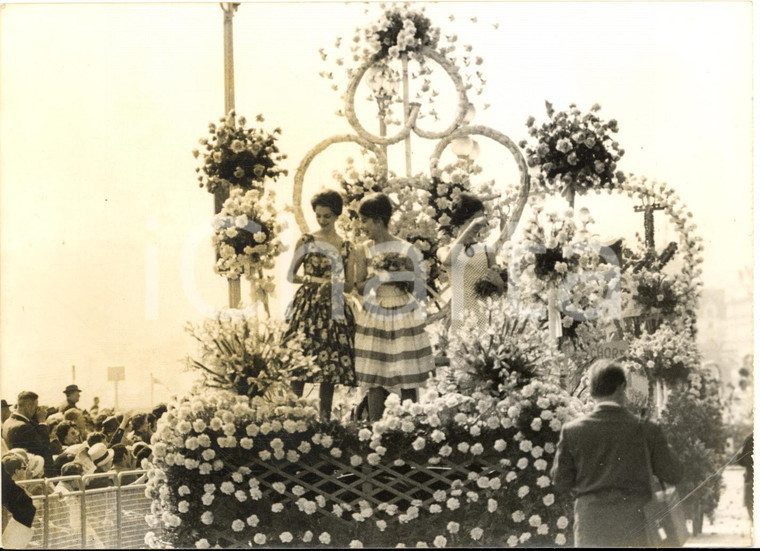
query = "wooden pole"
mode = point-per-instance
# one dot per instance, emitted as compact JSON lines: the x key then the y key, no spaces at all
{"x":408,"y":139}
{"x":229,"y":9}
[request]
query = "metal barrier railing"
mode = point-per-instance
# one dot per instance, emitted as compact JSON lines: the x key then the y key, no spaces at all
{"x":96,"y":511}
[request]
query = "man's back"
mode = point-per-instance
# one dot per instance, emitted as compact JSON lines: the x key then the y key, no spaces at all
{"x":606,"y":450}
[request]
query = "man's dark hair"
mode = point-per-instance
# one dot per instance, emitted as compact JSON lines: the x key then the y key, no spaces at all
{"x":605,"y":377}
{"x":119,"y":452}
{"x":138,"y":421}
{"x":27,"y":396}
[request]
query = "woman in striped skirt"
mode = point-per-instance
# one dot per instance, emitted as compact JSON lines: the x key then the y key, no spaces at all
{"x":392,"y":350}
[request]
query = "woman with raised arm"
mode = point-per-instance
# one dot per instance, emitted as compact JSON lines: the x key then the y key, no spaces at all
{"x":393,"y":351}
{"x":470,"y":260}
{"x":320,"y":312}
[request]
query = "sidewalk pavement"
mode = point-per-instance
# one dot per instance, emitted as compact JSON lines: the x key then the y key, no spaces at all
{"x":732,"y":526}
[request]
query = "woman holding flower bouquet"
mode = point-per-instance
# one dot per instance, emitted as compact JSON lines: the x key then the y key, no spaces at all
{"x":319,"y":311}
{"x":392,"y":349}
{"x":471,"y":260}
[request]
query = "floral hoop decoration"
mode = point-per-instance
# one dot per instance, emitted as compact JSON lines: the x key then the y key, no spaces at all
{"x":574,"y":152}
{"x":236,"y":155}
{"x":246,"y":236}
{"x":677,"y":293}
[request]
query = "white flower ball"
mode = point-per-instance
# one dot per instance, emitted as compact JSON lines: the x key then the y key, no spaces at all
{"x":440,"y":541}
{"x":286,"y":537}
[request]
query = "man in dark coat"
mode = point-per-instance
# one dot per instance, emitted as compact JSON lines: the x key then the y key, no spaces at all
{"x":72,"y":397}
{"x":26,"y":429}
{"x":601,"y":459}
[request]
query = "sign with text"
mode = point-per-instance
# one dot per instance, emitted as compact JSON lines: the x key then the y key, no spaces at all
{"x":116,"y":373}
{"x":610,"y":349}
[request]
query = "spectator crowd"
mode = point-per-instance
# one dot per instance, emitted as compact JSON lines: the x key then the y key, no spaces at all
{"x":48,"y":442}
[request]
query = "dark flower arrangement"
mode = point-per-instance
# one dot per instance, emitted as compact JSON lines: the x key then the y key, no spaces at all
{"x":575,"y":149}
{"x":236,"y":155}
{"x":486,"y":289}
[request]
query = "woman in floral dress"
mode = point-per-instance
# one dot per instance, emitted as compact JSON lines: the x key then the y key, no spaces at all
{"x":393,"y":351}
{"x":319,"y":313}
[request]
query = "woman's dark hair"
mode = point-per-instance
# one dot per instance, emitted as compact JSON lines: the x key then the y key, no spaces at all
{"x":72,"y":469}
{"x":95,"y":438}
{"x":377,"y":206}
{"x":605,"y":377}
{"x":62,"y":430}
{"x":330,"y":199}
{"x":464,"y":207}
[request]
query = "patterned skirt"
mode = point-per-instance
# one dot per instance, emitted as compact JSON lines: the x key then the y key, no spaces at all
{"x":329,"y":340}
{"x":392,"y":349}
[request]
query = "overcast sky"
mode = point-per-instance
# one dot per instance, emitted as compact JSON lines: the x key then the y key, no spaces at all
{"x":101,"y":106}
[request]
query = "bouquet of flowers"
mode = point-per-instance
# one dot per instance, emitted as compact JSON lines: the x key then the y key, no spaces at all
{"x":246,"y":235}
{"x":385,"y":263}
{"x":236,"y":155}
{"x":665,"y":354}
{"x":549,"y":246}
{"x":401,"y":30}
{"x":505,"y":354}
{"x":574,"y":150}
{"x":238,"y":353}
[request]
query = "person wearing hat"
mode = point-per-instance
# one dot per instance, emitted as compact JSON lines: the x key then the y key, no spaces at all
{"x":72,"y":397}
{"x":26,"y":429}
{"x":102,"y":458}
{"x":6,"y":411}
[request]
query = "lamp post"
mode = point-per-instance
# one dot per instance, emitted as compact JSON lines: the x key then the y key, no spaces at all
{"x":229,"y":9}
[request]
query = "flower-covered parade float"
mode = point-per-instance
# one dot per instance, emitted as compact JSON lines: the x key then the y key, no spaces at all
{"x":242,"y":462}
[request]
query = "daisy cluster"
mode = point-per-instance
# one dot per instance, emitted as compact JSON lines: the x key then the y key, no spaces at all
{"x":247,"y":236}
{"x":230,"y":470}
{"x":238,"y":156}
